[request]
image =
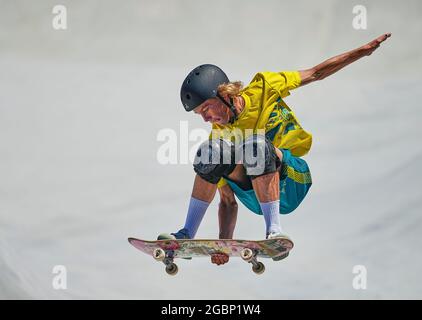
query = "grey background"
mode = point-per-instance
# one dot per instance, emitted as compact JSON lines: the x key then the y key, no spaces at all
{"x":80,"y":110}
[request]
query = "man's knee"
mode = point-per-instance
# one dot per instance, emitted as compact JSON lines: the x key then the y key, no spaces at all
{"x":217,"y":158}
{"x":259,"y":156}
{"x":214,"y":159}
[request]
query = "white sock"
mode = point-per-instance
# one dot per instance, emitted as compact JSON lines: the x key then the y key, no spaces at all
{"x":271,"y":211}
{"x":196,"y":212}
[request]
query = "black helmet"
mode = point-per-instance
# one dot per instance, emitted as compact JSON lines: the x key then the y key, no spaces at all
{"x":201,"y":84}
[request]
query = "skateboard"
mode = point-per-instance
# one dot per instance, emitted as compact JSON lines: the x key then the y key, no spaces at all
{"x":249,"y":250}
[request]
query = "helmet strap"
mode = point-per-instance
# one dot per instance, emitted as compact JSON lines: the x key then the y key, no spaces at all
{"x":230,"y":106}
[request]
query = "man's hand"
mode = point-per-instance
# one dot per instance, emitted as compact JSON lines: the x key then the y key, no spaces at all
{"x":336,"y":63}
{"x":374,"y":44}
{"x":219,"y":258}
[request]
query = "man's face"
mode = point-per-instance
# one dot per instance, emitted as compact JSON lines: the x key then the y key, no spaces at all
{"x":214,"y":111}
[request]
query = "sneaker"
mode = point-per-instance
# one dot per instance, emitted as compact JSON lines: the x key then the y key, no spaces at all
{"x":278,"y":235}
{"x":181,"y":234}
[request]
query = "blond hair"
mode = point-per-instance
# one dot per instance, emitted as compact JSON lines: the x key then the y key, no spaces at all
{"x":232,"y":89}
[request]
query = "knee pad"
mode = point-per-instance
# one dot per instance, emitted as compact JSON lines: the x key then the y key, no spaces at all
{"x":214,"y":159}
{"x":259,"y":156}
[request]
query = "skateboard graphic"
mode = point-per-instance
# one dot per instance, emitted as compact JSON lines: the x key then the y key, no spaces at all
{"x":249,"y":250}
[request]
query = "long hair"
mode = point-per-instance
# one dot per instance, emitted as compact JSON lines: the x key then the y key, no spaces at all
{"x":232,"y":89}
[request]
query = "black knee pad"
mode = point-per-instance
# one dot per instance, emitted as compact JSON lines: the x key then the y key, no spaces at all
{"x":214,"y":160}
{"x":259,"y":156}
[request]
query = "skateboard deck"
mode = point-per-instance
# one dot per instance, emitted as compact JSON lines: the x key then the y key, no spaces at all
{"x":249,"y":250}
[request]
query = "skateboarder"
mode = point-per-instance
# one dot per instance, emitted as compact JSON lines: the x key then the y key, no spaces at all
{"x":275,"y":179}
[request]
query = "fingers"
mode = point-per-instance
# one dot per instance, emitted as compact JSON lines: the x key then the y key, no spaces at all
{"x":219,"y":259}
{"x":375,"y":44}
{"x":214,"y":259}
{"x":224,"y":259}
{"x":384,"y":37}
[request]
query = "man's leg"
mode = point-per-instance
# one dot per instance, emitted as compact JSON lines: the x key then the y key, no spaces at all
{"x":203,"y":190}
{"x":267,"y":190}
{"x":265,"y":179}
{"x":202,"y":194}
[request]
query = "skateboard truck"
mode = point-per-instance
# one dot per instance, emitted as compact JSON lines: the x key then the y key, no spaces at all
{"x":167,"y":258}
{"x":250,"y":256}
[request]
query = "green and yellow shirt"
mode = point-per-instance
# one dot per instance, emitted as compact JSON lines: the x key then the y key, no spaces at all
{"x":265,"y":110}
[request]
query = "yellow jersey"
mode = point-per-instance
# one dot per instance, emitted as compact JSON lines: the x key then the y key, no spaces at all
{"x":265,"y":109}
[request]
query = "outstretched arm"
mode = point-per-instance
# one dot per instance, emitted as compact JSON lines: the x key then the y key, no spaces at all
{"x":336,"y":63}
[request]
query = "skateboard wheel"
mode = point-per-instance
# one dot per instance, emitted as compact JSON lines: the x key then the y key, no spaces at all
{"x":259,"y":268}
{"x":246,"y":254}
{"x":159,"y":254}
{"x":172,"y":269}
